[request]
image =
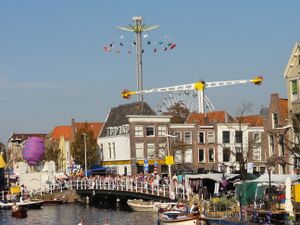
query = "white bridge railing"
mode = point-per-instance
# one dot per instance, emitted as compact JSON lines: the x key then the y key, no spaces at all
{"x":168,"y":191}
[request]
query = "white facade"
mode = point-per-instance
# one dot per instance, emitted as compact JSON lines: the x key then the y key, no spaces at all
{"x":116,"y":149}
{"x":231,"y":145}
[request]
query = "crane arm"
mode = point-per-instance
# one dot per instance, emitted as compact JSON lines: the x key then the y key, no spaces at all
{"x":199,"y":86}
{"x":256,"y":80}
{"x":185,"y":87}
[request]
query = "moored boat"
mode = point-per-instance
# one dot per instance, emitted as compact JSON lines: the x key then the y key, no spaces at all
{"x":53,"y":201}
{"x":25,"y":204}
{"x":177,"y":218}
{"x":19,"y":213}
{"x":141,"y":205}
{"x":218,"y":221}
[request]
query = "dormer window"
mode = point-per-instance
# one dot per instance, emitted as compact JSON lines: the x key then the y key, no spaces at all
{"x":125,"y":129}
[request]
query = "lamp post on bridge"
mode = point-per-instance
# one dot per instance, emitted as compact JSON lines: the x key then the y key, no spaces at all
{"x":168,"y":149}
{"x":85,"y":160}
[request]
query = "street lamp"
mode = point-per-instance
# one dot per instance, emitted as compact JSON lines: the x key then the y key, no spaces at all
{"x":269,"y":168}
{"x":168,"y":148}
{"x":85,"y":163}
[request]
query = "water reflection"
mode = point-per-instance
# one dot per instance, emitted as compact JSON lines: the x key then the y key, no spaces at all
{"x":69,"y":214}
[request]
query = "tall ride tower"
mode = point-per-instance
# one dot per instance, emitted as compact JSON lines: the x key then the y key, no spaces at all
{"x":138,"y":28}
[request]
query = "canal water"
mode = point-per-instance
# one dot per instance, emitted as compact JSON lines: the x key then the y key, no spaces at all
{"x":70,"y":214}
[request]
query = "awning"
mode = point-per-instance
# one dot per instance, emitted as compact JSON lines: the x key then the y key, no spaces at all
{"x":98,"y":168}
{"x":275,"y":178}
{"x":218,"y":177}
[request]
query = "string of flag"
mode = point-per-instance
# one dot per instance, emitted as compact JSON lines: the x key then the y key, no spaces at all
{"x":123,"y":45}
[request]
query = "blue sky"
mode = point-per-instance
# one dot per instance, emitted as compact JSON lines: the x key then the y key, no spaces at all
{"x":53,"y":68}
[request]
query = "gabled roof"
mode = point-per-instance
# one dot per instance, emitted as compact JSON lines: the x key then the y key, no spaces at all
{"x":20,"y":137}
{"x":292,"y":63}
{"x":283,"y":107}
{"x":254,"y":120}
{"x":95,"y":127}
{"x":210,"y":118}
{"x":67,"y":131}
{"x":117,"y":116}
{"x":62,"y":131}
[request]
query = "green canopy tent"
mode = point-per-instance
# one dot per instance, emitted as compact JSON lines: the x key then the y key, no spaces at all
{"x":249,"y":193}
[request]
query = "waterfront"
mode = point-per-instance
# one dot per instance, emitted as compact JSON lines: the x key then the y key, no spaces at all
{"x":69,"y":214}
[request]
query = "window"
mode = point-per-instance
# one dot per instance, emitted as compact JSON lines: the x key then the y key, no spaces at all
{"x":150,"y":131}
{"x":139,"y":150}
{"x":138,"y":131}
{"x":101,"y":152}
{"x":187,"y":137}
{"x":256,"y":153}
{"x":238,"y":154}
{"x":296,"y":162}
{"x":226,"y":137}
{"x":162,"y":130}
{"x":151,"y":151}
{"x":125,"y":129}
{"x":226,"y":154}
{"x":109,"y":150}
{"x":256,"y":138}
{"x":282,"y":169}
{"x":262,"y":169}
{"x":109,"y":131}
{"x":201,"y":155}
{"x":211,"y":155}
{"x":188,"y":156}
{"x":281,"y":144}
{"x":162,"y":150}
{"x":274,"y":120}
{"x":178,"y":134}
{"x":178,"y":156}
{"x":271,"y":146}
{"x":201,"y":138}
{"x":238,"y":136}
{"x":294,"y":90}
{"x":211,"y":137}
{"x":114,"y":150}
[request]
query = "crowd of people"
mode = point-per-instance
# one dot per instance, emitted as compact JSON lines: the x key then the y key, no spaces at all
{"x":145,"y":182}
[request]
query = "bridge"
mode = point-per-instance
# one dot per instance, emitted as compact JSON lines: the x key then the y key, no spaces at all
{"x":128,"y":190}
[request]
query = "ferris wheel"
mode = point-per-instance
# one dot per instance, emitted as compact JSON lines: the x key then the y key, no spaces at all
{"x":188,"y":99}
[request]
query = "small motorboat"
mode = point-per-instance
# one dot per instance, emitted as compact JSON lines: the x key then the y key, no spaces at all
{"x":24,"y":204}
{"x":177,"y":218}
{"x":19,"y":213}
{"x":53,"y":201}
{"x":141,"y":205}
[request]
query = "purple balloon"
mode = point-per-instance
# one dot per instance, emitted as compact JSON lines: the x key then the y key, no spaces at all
{"x":33,"y":150}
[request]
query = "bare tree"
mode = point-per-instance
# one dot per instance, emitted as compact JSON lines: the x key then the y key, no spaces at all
{"x":52,"y":151}
{"x":242,"y":151}
{"x":179,"y":113}
{"x":288,"y":139}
